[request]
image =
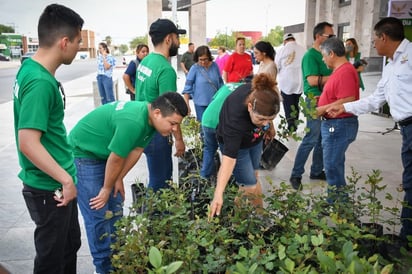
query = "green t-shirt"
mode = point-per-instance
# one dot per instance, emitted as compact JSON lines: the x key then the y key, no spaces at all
{"x":112,"y":128}
{"x":154,"y":77}
{"x":38,"y":105}
{"x":210,"y":117}
{"x":312,"y":65}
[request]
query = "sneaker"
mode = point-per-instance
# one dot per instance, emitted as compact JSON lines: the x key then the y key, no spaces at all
{"x":296,"y":182}
{"x":321,"y":176}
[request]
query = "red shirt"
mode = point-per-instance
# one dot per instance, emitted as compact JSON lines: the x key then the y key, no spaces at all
{"x":343,"y":82}
{"x":238,"y":66}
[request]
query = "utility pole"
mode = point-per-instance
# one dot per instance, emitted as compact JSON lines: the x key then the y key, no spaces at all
{"x":173,"y":60}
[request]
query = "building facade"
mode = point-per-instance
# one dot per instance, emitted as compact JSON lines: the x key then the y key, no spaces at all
{"x":350,"y":18}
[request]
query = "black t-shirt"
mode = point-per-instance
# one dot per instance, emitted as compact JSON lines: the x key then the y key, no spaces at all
{"x":235,"y":129}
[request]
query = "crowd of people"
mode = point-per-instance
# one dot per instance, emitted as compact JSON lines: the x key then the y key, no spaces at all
{"x":235,"y":107}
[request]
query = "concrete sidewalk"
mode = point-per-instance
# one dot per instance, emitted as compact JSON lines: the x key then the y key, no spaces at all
{"x":371,"y":150}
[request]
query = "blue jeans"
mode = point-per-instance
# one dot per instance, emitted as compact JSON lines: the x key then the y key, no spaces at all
{"x":159,"y":161}
{"x":199,"y":112}
{"x":406,"y":214}
{"x":210,"y":146}
{"x":247,"y":162}
{"x":105,"y":85}
{"x":57,"y":233}
{"x":99,"y":224}
{"x":337,"y":134}
{"x":312,"y":140}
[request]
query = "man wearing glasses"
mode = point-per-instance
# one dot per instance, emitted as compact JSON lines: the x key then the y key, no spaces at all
{"x":394,"y":88}
{"x":315,"y":74}
{"x":154,"y":77}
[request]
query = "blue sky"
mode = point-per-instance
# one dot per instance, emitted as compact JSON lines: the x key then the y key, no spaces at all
{"x":125,"y":19}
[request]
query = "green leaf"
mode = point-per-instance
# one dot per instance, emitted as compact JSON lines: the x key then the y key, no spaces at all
{"x":155,"y":257}
{"x":281,"y":252}
{"x":253,"y":268}
{"x":290,"y":265}
{"x":173,"y":267}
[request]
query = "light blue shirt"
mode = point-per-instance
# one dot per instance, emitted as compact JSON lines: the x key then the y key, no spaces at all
{"x":100,"y":66}
{"x":395,"y":87}
{"x":201,"y":83}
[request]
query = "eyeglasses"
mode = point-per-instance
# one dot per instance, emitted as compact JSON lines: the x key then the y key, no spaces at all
{"x":329,"y":35}
{"x":203,"y":59}
{"x":63,"y":94}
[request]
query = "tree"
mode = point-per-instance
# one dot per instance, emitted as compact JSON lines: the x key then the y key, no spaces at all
{"x":138,"y":40}
{"x":6,"y":29}
{"x":123,"y":48}
{"x":275,"y":36}
{"x":229,"y":41}
{"x":108,"y":40}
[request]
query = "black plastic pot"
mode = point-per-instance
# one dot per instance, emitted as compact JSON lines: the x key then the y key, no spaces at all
{"x":390,"y":247}
{"x":272,"y":154}
{"x":370,"y":246}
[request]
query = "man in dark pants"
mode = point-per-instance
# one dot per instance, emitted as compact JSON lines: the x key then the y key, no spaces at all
{"x":315,"y":74}
{"x":289,"y":60}
{"x":45,"y":157}
{"x":394,"y":88}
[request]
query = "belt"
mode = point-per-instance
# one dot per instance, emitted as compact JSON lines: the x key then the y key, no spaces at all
{"x":323,"y":118}
{"x":405,"y":122}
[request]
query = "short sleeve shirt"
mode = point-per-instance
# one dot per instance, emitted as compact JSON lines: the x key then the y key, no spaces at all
{"x":235,"y":129}
{"x":112,"y":128}
{"x":238,"y":66}
{"x":38,"y":105}
{"x":155,"y":76}
{"x":312,"y":65}
{"x":210,"y":117}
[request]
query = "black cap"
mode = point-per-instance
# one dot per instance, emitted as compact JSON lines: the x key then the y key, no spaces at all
{"x":162,"y":27}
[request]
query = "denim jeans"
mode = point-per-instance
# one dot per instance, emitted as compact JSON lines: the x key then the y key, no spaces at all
{"x":291,"y":108}
{"x":199,"y":112}
{"x":159,"y":161}
{"x":57,"y":233}
{"x":99,"y":224}
{"x":210,"y":146}
{"x":105,"y":85}
{"x":312,"y":140}
{"x":337,"y":134}
{"x":406,"y":154}
{"x":247,"y":162}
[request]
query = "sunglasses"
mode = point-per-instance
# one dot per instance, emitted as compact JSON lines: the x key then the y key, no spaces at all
{"x":63,"y":94}
{"x":329,"y":35}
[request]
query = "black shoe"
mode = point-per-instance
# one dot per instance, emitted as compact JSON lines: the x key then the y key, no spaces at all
{"x":321,"y":176}
{"x":296,"y":182}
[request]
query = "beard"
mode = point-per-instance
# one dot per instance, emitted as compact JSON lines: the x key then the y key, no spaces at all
{"x":173,"y":50}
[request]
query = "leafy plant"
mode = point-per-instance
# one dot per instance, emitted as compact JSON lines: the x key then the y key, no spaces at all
{"x":290,"y":235}
{"x":155,"y":258}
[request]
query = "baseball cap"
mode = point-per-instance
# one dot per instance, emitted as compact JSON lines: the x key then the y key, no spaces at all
{"x":162,"y":27}
{"x":288,"y":36}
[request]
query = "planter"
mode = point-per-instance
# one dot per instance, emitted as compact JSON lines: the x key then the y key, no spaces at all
{"x":391,"y":246}
{"x":369,"y":245}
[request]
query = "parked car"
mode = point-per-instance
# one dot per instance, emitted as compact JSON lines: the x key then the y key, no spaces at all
{"x":27,"y":55}
{"x":127,"y":58}
{"x":4,"y":57}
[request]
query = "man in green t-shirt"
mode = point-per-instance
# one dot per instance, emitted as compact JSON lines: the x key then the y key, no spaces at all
{"x":45,"y":157}
{"x":156,"y":76}
{"x":315,"y":74}
{"x":107,"y":143}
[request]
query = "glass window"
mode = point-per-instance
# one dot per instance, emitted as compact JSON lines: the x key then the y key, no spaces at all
{"x":344,"y":2}
{"x":344,"y":31}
